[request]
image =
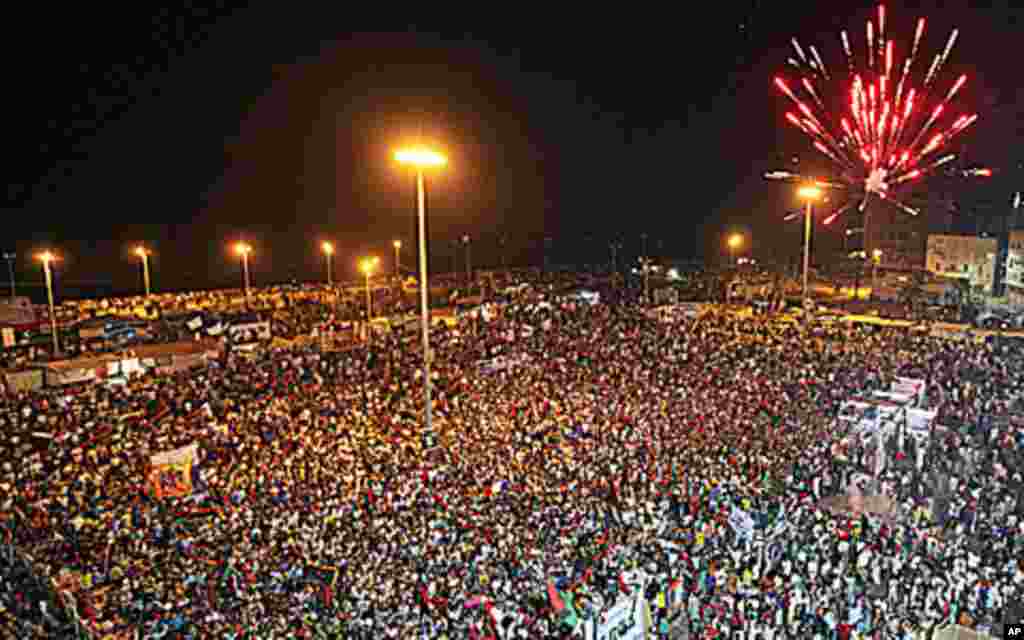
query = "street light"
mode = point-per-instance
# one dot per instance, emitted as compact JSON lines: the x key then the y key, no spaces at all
{"x":143,"y":253}
{"x":876,"y":258}
{"x":367,"y":265}
{"x":397,"y":244}
{"x":9,"y":257}
{"x":422,"y":159}
{"x":46,"y":258}
{"x":735,"y":242}
{"x":810,"y":193}
{"x":244,"y":250}
{"x":469,"y":262}
{"x":328,"y":250}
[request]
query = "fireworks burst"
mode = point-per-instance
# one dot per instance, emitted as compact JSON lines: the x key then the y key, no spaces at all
{"x":890,"y":124}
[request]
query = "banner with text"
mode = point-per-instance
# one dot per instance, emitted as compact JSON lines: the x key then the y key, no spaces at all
{"x":170,"y":472}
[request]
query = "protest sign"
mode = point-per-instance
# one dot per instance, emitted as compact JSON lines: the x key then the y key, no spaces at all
{"x":741,"y":522}
{"x":624,"y":621}
{"x":919,"y":422}
{"x":170,"y":472}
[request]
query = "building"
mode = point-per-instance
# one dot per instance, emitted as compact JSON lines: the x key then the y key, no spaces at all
{"x":970,"y":258}
{"x":1013,"y":275}
{"x":899,"y":236}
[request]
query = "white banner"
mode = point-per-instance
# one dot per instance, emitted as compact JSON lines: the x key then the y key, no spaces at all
{"x":853,"y":411}
{"x":741,"y":522}
{"x":897,"y":396}
{"x":250,"y":331}
{"x":624,"y":621}
{"x":175,"y":456}
{"x":919,"y":422}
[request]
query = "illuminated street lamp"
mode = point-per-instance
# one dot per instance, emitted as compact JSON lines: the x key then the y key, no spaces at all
{"x":46,"y":258}
{"x":144,"y":254}
{"x":397,"y":244}
{"x":810,"y":193}
{"x":244,"y":250}
{"x":367,"y":265}
{"x":735,"y":242}
{"x":422,"y":159}
{"x":876,"y":258}
{"x":328,"y":250}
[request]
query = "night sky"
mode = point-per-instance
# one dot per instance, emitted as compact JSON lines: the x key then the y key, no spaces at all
{"x":190,"y":129}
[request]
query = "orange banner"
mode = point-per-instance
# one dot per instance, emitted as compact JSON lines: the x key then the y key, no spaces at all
{"x":170,"y":472}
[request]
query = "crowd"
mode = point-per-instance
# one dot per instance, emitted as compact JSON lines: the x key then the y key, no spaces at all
{"x":602,"y":459}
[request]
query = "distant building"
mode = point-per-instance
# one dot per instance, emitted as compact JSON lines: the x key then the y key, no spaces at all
{"x":899,"y":236}
{"x":1013,"y":275}
{"x":970,"y":258}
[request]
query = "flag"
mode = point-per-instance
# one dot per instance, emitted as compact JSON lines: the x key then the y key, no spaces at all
{"x":563,"y":606}
{"x":623,"y":587}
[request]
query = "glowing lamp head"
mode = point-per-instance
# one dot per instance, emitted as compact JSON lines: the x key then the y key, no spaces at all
{"x":46,"y":257}
{"x":809,"y":192}
{"x":243,"y":249}
{"x":327,"y":248}
{"x":877,"y":254}
{"x":421,"y":158}
{"x":397,"y":244}
{"x":735,"y":241}
{"x":367,"y":265}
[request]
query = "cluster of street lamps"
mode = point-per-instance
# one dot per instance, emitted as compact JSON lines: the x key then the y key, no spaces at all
{"x":421,"y":160}
{"x":809,"y":193}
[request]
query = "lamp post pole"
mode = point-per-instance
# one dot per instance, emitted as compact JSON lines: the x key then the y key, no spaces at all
{"x":328,"y":250}
{"x":469,"y":262}
{"x":9,"y":257}
{"x":145,"y":272}
{"x":47,"y":258}
{"x":807,"y":247}
{"x":398,"y":260}
{"x":421,"y":158}
{"x":810,"y":193}
{"x":144,"y":256}
{"x":421,"y":221}
{"x":245,"y":272}
{"x":369,"y":299}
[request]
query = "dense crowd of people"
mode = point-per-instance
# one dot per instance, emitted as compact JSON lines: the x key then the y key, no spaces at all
{"x":603,"y":457}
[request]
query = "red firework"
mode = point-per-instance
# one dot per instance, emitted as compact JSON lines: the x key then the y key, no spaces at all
{"x":890,"y":125}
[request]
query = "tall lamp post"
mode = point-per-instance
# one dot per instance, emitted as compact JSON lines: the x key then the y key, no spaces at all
{"x":367,"y":266}
{"x":9,"y":257}
{"x":876,"y":258}
{"x":46,"y":258}
{"x":144,"y":253}
{"x":397,"y":244}
{"x":328,"y":250}
{"x":735,"y":242}
{"x":810,"y":193}
{"x":468,"y":243}
{"x":422,"y":159}
{"x":244,"y":250}
{"x":502,"y":241}
{"x":615,"y":247}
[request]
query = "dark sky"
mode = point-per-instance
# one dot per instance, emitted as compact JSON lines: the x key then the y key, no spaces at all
{"x":192,"y":128}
